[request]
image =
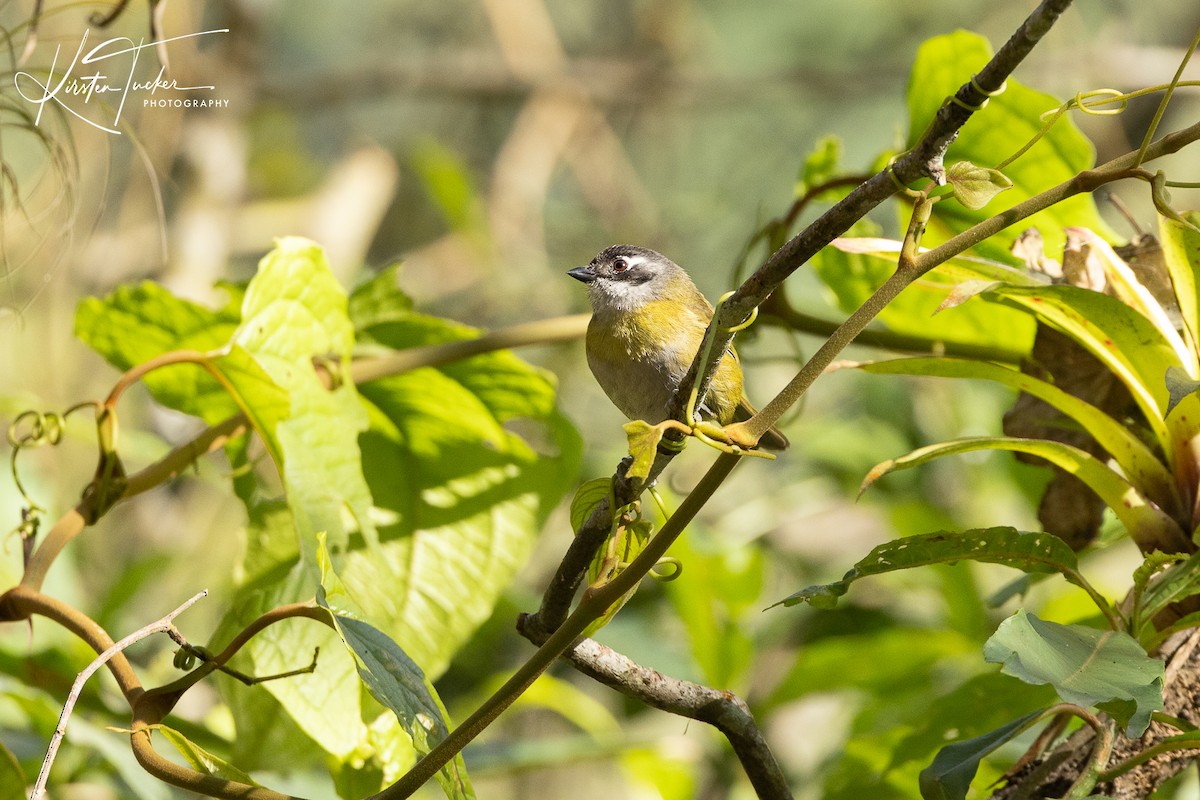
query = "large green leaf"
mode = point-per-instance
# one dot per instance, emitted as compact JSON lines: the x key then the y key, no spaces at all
{"x":1127,"y":343}
{"x":1137,"y":461}
{"x":138,"y":322}
{"x":950,"y":775}
{"x":1149,"y":526}
{"x":12,"y":777}
{"x":462,"y":496}
{"x":1181,"y":255}
{"x":1085,"y":666}
{"x":324,"y":705}
{"x":855,"y":267}
{"x":260,"y":361}
{"x":294,"y":311}
{"x":459,"y":497}
{"x":392,"y":678}
{"x":993,"y":134}
{"x":1029,"y":552}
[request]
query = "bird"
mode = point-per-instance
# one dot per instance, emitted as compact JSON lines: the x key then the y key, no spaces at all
{"x":648,"y":322}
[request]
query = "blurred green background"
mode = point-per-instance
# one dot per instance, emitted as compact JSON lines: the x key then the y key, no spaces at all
{"x":490,"y":145}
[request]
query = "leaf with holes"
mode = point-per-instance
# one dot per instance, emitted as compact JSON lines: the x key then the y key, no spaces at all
{"x":1029,"y":552}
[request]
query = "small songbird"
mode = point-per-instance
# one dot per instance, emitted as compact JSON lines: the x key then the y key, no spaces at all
{"x":648,"y":322}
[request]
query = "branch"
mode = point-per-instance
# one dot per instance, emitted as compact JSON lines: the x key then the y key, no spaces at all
{"x":164,"y":624}
{"x":724,"y":710}
{"x":22,"y":602}
{"x":594,"y":604}
{"x":151,"y":707}
{"x":361,"y":371}
{"x":546,"y":331}
{"x":923,"y":160}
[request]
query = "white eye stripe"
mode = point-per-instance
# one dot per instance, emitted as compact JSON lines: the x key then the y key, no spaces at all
{"x":626,"y":263}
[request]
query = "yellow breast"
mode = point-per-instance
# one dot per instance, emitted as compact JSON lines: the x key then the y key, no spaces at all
{"x":639,"y":358}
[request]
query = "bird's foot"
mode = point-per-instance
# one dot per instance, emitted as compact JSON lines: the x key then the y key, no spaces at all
{"x":732,"y":438}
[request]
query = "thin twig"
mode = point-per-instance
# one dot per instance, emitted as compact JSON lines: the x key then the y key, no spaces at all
{"x":545,"y":331}
{"x":159,"y":626}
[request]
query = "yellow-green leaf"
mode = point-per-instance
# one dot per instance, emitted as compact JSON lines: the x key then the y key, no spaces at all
{"x":975,"y":186}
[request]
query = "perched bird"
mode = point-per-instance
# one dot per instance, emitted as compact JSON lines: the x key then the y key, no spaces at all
{"x":648,"y":322}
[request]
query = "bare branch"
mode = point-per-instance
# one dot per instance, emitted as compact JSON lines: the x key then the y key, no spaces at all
{"x":724,"y":710}
{"x":165,"y":624}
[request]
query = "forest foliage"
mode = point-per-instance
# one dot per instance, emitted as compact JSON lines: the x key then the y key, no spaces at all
{"x":394,"y":485}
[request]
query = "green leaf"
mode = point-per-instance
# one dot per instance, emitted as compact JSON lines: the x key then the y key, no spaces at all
{"x":12,"y":777}
{"x":993,"y":134}
{"x":1127,"y":343}
{"x":1178,"y":581}
{"x":855,"y":267}
{"x":201,"y":760}
{"x":619,"y":549}
{"x":954,"y":767}
{"x":295,"y":310}
{"x":587,"y":497}
{"x":643,"y":445}
{"x":1125,"y":285}
{"x":1152,"y":638}
{"x":138,"y":322}
{"x":379,"y":300}
{"x":462,"y":464}
{"x":1136,"y":460}
{"x":1028,"y":552}
{"x":980,"y":704}
{"x":821,"y":165}
{"x":1181,"y":254}
{"x":462,"y":497}
{"x":1179,"y":386}
{"x":399,"y":684}
{"x":1085,"y":666}
{"x":1149,"y":526}
{"x":960,"y":268}
{"x":324,"y":705}
{"x":974,"y":186}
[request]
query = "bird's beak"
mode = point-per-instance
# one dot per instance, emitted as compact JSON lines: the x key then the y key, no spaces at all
{"x":585,"y":274}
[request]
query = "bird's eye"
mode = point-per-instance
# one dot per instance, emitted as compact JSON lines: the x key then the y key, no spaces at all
{"x":620,"y":265}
